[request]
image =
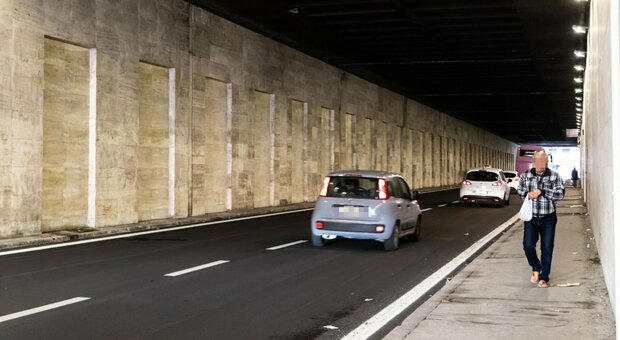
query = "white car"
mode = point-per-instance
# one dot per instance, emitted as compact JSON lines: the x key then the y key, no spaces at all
{"x":485,"y":185}
{"x":513,"y":180}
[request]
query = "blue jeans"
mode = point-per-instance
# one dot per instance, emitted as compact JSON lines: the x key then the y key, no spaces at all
{"x":543,"y":226}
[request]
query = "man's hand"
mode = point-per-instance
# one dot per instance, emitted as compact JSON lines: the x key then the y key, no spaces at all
{"x":533,"y":194}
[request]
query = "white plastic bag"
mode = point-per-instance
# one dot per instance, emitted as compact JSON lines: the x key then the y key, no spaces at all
{"x":525,"y":214}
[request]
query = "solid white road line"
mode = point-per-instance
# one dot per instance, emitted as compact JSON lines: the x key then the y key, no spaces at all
{"x":457,"y":201}
{"x":107,"y":238}
{"x":441,"y":205}
{"x":427,"y":209}
{"x":42,"y":308}
{"x":287,"y":245}
{"x":193,"y":269}
{"x":372,"y":325}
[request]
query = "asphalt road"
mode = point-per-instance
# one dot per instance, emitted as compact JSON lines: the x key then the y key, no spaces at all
{"x":291,"y":292}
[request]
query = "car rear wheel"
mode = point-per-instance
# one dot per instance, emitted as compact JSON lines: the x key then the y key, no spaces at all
{"x":392,"y":242}
{"x":507,"y":201}
{"x":415,"y":237}
{"x":317,"y":241}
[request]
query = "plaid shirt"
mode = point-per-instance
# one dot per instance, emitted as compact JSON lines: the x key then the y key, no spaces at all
{"x":550,"y":184}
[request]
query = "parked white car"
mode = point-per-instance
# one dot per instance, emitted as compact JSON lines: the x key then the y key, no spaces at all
{"x":485,"y":185}
{"x":513,"y":180}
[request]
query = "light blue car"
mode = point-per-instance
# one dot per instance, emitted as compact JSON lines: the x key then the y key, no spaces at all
{"x":369,"y":205}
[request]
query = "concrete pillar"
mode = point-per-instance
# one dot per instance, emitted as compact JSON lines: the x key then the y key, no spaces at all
{"x":65,"y":136}
{"x":381,"y":158}
{"x":418,"y":158}
{"x":346,"y":141}
{"x":407,"y":161}
{"x":363,"y":140}
{"x":296,"y":186}
{"x":393,"y":148}
{"x":209,"y":149}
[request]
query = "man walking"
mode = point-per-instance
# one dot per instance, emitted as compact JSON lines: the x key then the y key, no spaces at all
{"x":574,"y":177}
{"x":544,"y":187}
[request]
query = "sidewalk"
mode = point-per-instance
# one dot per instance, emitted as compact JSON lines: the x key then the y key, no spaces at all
{"x":492,"y":298}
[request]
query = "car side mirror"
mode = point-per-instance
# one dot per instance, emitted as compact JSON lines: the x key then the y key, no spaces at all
{"x":415,"y":195}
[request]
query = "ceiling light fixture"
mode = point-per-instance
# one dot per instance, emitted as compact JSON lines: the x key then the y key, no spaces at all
{"x":578,"y":104}
{"x":579,"y":29}
{"x":578,"y":90}
{"x":579,"y":109}
{"x":294,"y":10}
{"x":579,"y":98}
{"x":579,"y":67}
{"x":579,"y":54}
{"x":578,"y":80}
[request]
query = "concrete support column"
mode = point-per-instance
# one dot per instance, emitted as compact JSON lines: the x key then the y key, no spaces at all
{"x":92,"y":139}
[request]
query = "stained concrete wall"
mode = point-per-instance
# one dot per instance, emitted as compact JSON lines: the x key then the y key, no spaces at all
{"x":240,"y":139}
{"x":65,"y":136}
{"x":153,"y":142}
{"x":600,"y":137}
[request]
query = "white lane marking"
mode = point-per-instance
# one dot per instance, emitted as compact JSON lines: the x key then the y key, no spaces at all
{"x":42,"y":308}
{"x":372,"y":325}
{"x":427,"y":209}
{"x":441,"y":205}
{"x":107,"y":238}
{"x":193,"y":269}
{"x":287,"y":245}
{"x":457,"y":201}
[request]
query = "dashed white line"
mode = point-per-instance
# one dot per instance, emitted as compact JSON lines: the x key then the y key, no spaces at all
{"x":375,"y":323}
{"x":286,"y":245}
{"x":427,"y":209}
{"x":193,"y":269}
{"x":457,"y":201}
{"x":42,"y":308}
{"x":441,"y":205}
{"x":148,"y":232}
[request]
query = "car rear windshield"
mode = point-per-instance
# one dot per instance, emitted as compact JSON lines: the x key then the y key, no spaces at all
{"x":510,"y":175}
{"x":482,"y":176}
{"x":352,"y":187}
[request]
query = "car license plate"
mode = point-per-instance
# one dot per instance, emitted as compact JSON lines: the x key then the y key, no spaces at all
{"x":350,"y":211}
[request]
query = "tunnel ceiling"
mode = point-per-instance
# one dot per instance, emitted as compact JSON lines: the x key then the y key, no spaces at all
{"x":503,"y":65}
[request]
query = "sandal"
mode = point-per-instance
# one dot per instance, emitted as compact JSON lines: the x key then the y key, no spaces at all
{"x":543,"y":284}
{"x":534,"y":277}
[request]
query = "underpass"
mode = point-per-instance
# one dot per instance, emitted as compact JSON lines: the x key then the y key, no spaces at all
{"x":159,"y":161}
{"x":287,"y":292}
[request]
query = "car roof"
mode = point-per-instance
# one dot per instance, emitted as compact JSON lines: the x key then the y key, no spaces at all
{"x":496,"y":170}
{"x":510,"y":171}
{"x":365,"y":173}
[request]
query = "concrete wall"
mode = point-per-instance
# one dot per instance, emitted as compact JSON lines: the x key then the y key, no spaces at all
{"x":245,"y":122}
{"x":600,"y":137}
{"x":65,"y":136}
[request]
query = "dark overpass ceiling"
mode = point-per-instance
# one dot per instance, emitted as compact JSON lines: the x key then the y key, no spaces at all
{"x":503,"y":65}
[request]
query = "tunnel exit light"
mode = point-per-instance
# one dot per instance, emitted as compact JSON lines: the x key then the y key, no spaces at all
{"x":579,"y":29}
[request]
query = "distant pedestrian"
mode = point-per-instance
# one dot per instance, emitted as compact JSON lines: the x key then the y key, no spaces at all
{"x":574,"y":177}
{"x":544,"y":187}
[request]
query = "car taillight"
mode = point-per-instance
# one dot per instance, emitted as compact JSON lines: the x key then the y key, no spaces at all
{"x":319,"y":225}
{"x":497,"y":183}
{"x":379,"y":228}
{"x":323,"y":192}
{"x":466,"y":182}
{"x":383,"y":190}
